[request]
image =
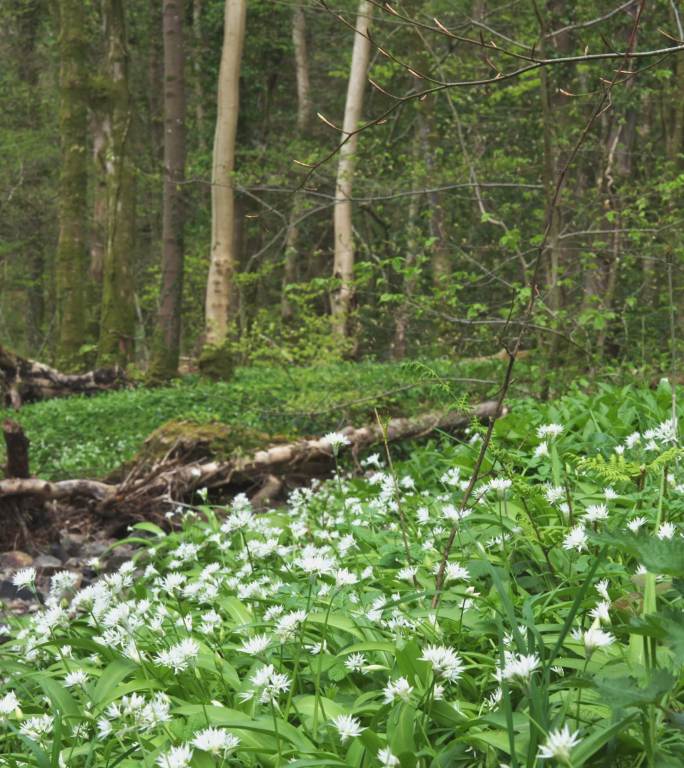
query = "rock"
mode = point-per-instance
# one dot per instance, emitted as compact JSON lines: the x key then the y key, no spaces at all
{"x":96,"y":548}
{"x":71,"y":543}
{"x":9,"y":592}
{"x":14,"y":560}
{"x":45,"y":562}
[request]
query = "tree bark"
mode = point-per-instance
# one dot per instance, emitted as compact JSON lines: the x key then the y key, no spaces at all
{"x":17,"y":449}
{"x":410,"y":266}
{"x":220,"y":303}
{"x":342,"y":298}
{"x":301,"y":68}
{"x":162,"y":484}
{"x":24,"y":381}
{"x":303,"y":119}
{"x":71,"y":258}
{"x":167,"y":347}
{"x":117,"y":322}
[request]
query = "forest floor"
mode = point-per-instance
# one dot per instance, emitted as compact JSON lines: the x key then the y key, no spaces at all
{"x":316,"y":633}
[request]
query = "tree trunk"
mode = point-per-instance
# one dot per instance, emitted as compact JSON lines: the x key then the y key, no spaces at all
{"x":410,"y":266}
{"x":303,"y":118}
{"x":199,"y":51}
{"x":219,"y":308}
{"x":17,"y":450}
{"x":301,"y":69}
{"x":71,"y":259}
{"x":167,"y":347}
{"x":117,"y":323}
{"x":342,"y":298}
{"x":441,"y":262}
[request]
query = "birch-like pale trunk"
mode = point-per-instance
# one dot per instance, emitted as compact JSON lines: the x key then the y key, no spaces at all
{"x":342,"y":297}
{"x":220,"y":303}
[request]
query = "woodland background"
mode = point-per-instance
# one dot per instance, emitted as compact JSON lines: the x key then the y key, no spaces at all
{"x":451,"y":191}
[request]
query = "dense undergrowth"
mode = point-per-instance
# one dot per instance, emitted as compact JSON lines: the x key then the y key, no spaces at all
{"x":314,"y":636}
{"x":92,"y":436}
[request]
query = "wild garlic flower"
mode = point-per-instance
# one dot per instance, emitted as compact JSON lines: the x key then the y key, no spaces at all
{"x":451,"y":477}
{"x":594,"y":638}
{"x":287,"y":625}
{"x":255,"y":645}
{"x":217,"y":741}
{"x":179,"y":656}
{"x":345,"y":578}
{"x":24,"y":577}
{"x":549,"y":430}
{"x":336,"y":440}
{"x":453,"y":572}
{"x":407,"y":573}
{"x":558,"y":745}
{"x":518,"y":666}
{"x":666,"y":531}
{"x":500,"y":485}
{"x":37,"y":728}
{"x":397,"y":689}
{"x":355,"y":662}
{"x":9,"y":703}
{"x":348,"y":727}
{"x":602,"y":588}
{"x":387,"y":759}
{"x":636,"y":523}
{"x":541,"y":450}
{"x":267,"y":685}
{"x":554,"y":493}
{"x":76,"y":678}
{"x":596,"y":512}
{"x":445,"y":662}
{"x":601,"y":611}
{"x":576,"y":539}
{"x":176,"y":757}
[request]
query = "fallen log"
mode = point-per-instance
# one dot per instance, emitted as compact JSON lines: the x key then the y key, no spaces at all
{"x":25,"y":381}
{"x":171,"y":481}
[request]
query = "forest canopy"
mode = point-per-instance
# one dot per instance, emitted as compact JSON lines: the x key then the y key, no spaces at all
{"x":296,"y":181}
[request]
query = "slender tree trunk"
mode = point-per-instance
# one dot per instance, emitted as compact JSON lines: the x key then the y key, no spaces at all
{"x":71,"y":260}
{"x":117,"y":322}
{"x":219,"y":307}
{"x":197,"y":6}
{"x":167,"y":347}
{"x":303,"y":119}
{"x":342,"y":298}
{"x":441,"y":261}
{"x":302,"y":68}
{"x":401,"y":319}
{"x":28,"y":17}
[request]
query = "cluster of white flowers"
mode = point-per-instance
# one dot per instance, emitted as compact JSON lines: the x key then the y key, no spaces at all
{"x":271,"y":608}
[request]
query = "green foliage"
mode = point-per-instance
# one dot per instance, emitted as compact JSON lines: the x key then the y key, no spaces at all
{"x":312,"y":635}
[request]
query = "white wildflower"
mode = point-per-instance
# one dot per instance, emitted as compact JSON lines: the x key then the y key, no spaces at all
{"x":397,"y":689}
{"x":347,"y":726}
{"x":217,"y":741}
{"x":176,"y":757}
{"x":576,"y":539}
{"x":558,"y":745}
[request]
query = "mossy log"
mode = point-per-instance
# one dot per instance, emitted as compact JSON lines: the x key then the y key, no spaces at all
{"x":25,"y":381}
{"x":148,"y":489}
